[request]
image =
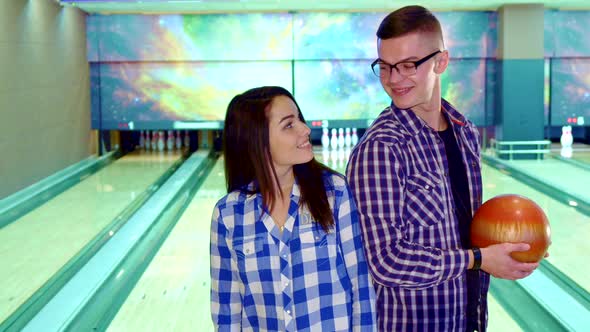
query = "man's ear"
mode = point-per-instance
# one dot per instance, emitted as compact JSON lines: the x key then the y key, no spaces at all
{"x":441,"y":62}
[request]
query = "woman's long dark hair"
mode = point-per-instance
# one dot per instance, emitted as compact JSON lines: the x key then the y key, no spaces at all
{"x":247,"y":154}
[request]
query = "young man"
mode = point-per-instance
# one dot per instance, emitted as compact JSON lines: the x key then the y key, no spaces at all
{"x":416,"y":179}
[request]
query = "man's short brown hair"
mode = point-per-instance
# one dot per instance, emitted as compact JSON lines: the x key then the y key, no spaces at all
{"x":407,"y":20}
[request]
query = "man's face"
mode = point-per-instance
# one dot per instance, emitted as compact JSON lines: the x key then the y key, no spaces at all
{"x":421,"y":89}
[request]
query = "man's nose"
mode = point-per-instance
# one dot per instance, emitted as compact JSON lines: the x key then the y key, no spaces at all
{"x":394,"y":76}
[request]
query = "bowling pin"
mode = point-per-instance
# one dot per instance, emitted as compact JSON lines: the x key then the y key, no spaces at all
{"x":340,"y":138}
{"x":566,"y":138}
{"x":161,"y":141}
{"x":354,"y":138}
{"x":141,"y":140}
{"x":325,"y":138}
{"x":170,"y":140}
{"x":334,"y":139}
{"x":154,"y":144}
{"x":187,"y":140}
{"x":148,"y":140}
{"x":347,"y":138}
{"x":178,"y":141}
{"x":567,"y":152}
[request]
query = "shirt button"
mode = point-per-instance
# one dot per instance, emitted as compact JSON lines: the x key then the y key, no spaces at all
{"x":286,"y":284}
{"x":427,"y":187}
{"x":284,"y":255}
{"x":288,"y":312}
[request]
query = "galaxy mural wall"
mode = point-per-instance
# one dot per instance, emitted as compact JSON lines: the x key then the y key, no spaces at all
{"x":567,"y":50}
{"x":181,"y":71}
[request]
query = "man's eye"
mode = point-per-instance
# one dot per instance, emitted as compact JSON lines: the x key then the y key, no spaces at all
{"x":406,"y":65}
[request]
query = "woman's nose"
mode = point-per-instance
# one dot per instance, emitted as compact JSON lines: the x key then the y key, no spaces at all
{"x":305,"y":129}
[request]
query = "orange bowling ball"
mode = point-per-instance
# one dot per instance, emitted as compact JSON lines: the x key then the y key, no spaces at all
{"x":515,"y":219}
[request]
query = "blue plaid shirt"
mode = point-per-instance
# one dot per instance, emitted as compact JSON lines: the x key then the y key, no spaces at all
{"x":302,"y":279}
{"x":398,"y":174}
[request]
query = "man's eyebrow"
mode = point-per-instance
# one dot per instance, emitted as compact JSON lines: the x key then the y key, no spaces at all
{"x":402,"y":60}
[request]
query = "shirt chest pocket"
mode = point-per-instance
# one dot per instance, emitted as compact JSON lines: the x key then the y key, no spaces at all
{"x":315,"y":243}
{"x":249,"y":252}
{"x":424,"y":199}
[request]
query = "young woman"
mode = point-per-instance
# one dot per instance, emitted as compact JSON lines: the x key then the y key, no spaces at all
{"x":286,"y":251}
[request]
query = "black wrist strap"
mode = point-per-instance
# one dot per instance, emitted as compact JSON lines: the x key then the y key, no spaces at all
{"x":476,"y":258}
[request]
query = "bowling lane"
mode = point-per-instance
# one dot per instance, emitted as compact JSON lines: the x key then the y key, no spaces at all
{"x":565,"y":176}
{"x":579,"y":152}
{"x":570,"y":229}
{"x":173,"y":292}
{"x":498,"y":319}
{"x":40,"y":243}
{"x":583,"y":156}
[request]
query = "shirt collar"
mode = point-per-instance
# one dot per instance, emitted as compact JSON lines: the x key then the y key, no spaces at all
{"x":413,"y":124}
{"x":295,"y":192}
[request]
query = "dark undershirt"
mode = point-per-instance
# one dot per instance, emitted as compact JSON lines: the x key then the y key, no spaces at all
{"x":462,"y":205}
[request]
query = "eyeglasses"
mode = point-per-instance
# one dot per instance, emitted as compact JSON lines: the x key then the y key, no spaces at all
{"x":406,"y":68}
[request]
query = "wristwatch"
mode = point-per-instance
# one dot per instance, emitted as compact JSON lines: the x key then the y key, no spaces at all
{"x":476,"y":258}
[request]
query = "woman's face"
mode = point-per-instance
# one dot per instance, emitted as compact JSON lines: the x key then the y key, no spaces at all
{"x":288,"y":135}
